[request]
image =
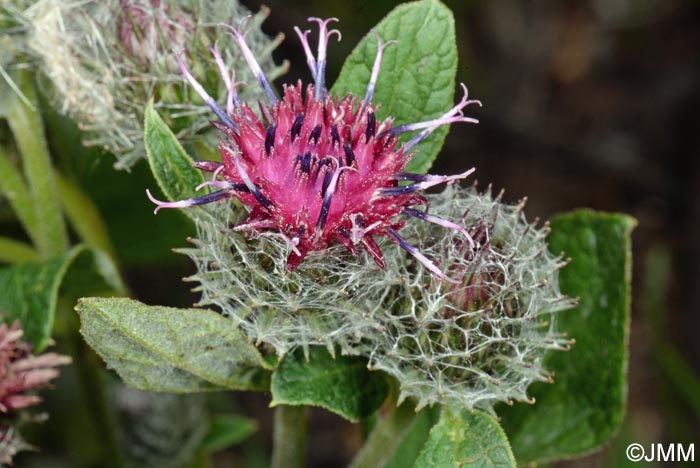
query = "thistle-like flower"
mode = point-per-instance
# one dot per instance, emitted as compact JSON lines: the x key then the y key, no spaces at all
{"x":21,"y":371}
{"x":105,"y":59}
{"x":143,"y":26}
{"x":317,"y":173}
{"x":318,"y":170}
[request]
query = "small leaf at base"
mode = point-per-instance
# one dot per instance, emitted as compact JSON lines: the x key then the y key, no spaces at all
{"x":466,"y":439}
{"x":342,"y":385}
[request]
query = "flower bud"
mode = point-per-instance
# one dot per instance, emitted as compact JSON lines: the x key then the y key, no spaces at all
{"x":483,"y":338}
{"x":107,"y":59}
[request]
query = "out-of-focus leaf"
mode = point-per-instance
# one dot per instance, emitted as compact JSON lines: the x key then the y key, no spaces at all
{"x":417,"y":78}
{"x":12,"y":251}
{"x":15,"y":190}
{"x":23,"y":118}
{"x":342,"y":385}
{"x":83,"y":215}
{"x":585,"y":405}
{"x":226,"y":430}
{"x":466,"y":439}
{"x":171,"y":350}
{"x":411,"y":446}
{"x":140,"y":237}
{"x":29,"y":292}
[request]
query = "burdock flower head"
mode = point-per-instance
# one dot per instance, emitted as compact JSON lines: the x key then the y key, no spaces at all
{"x":21,"y":371}
{"x":315,"y":169}
{"x":104,"y":59}
{"x":464,"y":319}
{"x":20,"y":374}
{"x":481,"y":339}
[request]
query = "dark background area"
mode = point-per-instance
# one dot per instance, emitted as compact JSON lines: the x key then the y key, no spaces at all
{"x":586,"y":104}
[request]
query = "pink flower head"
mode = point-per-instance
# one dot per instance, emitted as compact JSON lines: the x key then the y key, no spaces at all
{"x":318,"y":169}
{"x":145,"y":24}
{"x":21,"y":371}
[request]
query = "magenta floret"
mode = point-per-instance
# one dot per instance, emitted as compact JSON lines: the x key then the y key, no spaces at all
{"x":319,"y":169}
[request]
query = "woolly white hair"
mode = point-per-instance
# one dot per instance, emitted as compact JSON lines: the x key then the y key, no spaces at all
{"x":103,"y":80}
{"x":473,"y":343}
{"x":482,"y":340}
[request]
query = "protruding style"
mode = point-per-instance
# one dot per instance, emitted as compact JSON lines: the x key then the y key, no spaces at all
{"x":316,"y":170}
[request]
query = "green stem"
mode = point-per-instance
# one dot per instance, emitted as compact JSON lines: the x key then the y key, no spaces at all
{"x":12,"y":251}
{"x":14,"y":188}
{"x":386,"y":437}
{"x":28,"y":130}
{"x":679,"y":373}
{"x":289,"y":437}
{"x":84,"y":216}
{"x":93,"y":389}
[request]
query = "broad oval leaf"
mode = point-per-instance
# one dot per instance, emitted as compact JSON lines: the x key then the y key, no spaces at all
{"x":342,"y":385}
{"x":171,"y":350}
{"x":466,"y":439}
{"x":171,"y":166}
{"x":417,"y":78}
{"x":585,"y":405}
{"x":29,"y":292}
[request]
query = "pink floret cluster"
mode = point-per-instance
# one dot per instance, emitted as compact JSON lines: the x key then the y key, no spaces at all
{"x":316,"y":169}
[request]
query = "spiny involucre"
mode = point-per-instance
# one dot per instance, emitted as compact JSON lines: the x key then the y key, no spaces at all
{"x":106,"y":59}
{"x":483,"y":339}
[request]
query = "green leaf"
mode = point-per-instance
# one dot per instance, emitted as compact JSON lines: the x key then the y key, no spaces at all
{"x":139,"y":237}
{"x":585,"y":405}
{"x":29,"y":292}
{"x":171,"y":166}
{"x":171,"y":350}
{"x":226,"y":430}
{"x":28,"y":131}
{"x":417,"y":78}
{"x":412,"y":444}
{"x":15,"y":190}
{"x":342,"y":385}
{"x":466,"y":439}
{"x":12,"y":251}
{"x":83,"y":215}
